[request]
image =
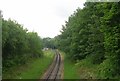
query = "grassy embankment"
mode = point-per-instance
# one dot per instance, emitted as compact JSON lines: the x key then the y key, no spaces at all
{"x":87,"y":70}
{"x":70,"y":70}
{"x":81,"y":70}
{"x":34,"y":69}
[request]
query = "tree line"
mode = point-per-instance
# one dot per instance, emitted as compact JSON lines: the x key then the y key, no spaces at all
{"x":48,"y":43}
{"x":94,"y":32}
{"x":18,"y":45}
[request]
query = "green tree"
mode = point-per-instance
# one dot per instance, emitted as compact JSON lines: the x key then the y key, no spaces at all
{"x":18,"y":45}
{"x":94,"y":32}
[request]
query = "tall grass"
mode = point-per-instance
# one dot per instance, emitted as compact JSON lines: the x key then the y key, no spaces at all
{"x":34,"y":69}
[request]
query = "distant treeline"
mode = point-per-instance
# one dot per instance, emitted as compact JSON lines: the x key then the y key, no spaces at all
{"x":94,"y":32}
{"x":48,"y":43}
{"x":18,"y":45}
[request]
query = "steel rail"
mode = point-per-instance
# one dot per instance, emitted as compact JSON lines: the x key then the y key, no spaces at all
{"x":55,"y":68}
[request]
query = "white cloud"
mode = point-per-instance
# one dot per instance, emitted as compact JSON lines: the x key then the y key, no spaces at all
{"x":42,"y":16}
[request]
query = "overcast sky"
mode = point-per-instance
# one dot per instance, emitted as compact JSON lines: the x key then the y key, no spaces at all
{"x":45,"y":17}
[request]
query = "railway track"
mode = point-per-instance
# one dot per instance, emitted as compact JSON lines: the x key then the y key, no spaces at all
{"x":54,"y":70}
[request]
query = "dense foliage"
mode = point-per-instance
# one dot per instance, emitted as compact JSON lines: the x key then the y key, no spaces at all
{"x":18,"y":45}
{"x":48,"y":43}
{"x":94,"y":32}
